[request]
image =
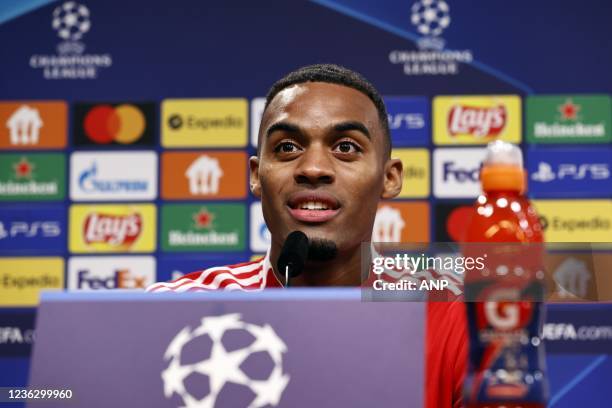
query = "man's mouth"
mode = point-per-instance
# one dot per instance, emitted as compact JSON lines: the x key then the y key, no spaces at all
{"x":313,"y":207}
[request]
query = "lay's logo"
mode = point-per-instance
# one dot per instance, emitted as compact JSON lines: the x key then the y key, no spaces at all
{"x":476,"y":119}
{"x":115,"y":230}
{"x":112,"y":228}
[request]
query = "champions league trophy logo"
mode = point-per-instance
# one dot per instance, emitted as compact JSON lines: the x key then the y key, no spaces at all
{"x":71,"y":21}
{"x":223,"y":364}
{"x":431,"y":18}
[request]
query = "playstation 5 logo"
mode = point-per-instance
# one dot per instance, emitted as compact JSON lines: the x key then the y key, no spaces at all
{"x":592,"y":171}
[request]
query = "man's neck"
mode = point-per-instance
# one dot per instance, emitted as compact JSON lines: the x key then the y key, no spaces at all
{"x":343,"y":270}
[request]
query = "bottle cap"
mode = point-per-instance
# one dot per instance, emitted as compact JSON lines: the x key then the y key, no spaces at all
{"x":503,"y":168}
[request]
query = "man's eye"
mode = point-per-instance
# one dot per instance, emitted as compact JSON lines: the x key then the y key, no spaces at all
{"x":286,"y":147}
{"x":347,"y":147}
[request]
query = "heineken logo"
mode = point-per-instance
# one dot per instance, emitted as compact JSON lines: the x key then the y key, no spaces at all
{"x":569,"y":119}
{"x":32,"y":177}
{"x":203,"y":219}
{"x":23,"y":169}
{"x":569,"y":110}
{"x":215,"y":227}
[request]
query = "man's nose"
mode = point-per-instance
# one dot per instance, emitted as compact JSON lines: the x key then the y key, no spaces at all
{"x":315,"y":166}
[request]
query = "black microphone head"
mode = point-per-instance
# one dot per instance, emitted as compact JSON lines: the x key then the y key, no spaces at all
{"x":293,"y":254}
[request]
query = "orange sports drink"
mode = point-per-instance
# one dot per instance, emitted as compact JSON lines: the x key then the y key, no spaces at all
{"x":504,"y":300}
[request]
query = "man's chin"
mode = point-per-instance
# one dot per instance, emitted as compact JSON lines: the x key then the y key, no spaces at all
{"x":321,"y":249}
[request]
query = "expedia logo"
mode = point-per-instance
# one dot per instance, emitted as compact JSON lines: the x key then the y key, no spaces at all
{"x":204,"y":122}
{"x":575,"y":220}
{"x":575,"y":224}
{"x":115,"y":230}
{"x":175,"y":122}
{"x":476,"y":121}
{"x":192,"y":122}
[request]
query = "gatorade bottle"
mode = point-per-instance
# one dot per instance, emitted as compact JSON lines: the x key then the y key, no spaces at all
{"x":504,"y":300}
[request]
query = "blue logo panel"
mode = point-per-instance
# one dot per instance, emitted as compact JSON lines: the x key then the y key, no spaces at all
{"x":409,"y":120}
{"x":33,"y":229}
{"x":174,"y":267}
{"x":567,"y":173}
{"x":16,"y":333}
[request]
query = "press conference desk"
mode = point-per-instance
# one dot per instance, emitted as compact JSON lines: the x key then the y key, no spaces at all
{"x":134,"y":344}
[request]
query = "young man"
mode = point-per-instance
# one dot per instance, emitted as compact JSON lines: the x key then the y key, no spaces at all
{"x":322,"y":166}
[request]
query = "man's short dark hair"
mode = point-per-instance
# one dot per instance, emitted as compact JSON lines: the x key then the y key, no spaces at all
{"x":335,"y":74}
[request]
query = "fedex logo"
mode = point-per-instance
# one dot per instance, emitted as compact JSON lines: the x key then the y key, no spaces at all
{"x":570,"y":172}
{"x":120,"y":279}
{"x":456,"y":172}
{"x":452,"y":170}
{"x":409,"y":120}
{"x":106,"y":273}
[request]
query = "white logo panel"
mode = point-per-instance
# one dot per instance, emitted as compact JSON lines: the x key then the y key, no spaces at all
{"x":257,"y":108}
{"x":260,"y":235}
{"x":110,"y":176}
{"x":110,"y":272}
{"x":456,"y":172}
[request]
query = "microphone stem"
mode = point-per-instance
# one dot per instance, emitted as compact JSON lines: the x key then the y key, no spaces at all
{"x":287,"y":276}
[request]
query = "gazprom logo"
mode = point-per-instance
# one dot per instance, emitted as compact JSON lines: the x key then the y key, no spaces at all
{"x":111,"y":176}
{"x":89,"y":182}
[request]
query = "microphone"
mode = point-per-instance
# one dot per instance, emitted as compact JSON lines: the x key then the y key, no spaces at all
{"x":293,"y":255}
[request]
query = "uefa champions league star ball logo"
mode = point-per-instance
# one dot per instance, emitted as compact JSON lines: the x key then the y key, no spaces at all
{"x":430,"y":17}
{"x":222,"y":366}
{"x":71,"y":21}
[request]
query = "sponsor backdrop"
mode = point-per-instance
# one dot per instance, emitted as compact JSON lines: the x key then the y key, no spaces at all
{"x":124,"y":142}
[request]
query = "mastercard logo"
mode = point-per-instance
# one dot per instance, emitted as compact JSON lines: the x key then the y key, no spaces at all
{"x":122,"y":124}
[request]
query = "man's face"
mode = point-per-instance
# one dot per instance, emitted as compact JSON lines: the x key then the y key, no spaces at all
{"x":322,"y":166}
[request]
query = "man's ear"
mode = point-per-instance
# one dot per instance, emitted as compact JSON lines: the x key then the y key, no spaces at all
{"x":394,"y":175}
{"x":255,"y":185}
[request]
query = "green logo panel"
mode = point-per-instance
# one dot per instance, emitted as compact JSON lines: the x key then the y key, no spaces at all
{"x":32,"y":176}
{"x":569,"y":119}
{"x":203,"y":227}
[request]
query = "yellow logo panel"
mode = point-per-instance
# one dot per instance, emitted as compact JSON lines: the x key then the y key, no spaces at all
{"x":416,"y":172}
{"x":576,"y":220}
{"x":112,"y":228}
{"x":476,"y":119}
{"x":204,"y":123}
{"x":22,"y":279}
